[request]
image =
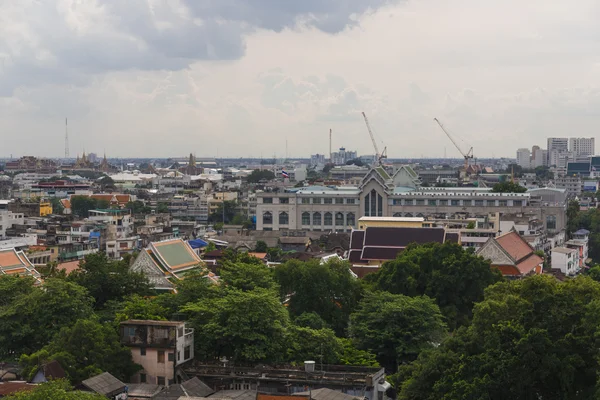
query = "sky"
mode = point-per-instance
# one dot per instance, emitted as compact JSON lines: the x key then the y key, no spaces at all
{"x":234,"y":78}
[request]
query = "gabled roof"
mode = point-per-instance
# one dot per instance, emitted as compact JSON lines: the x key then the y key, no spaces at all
{"x":147,"y":265}
{"x":104,"y":384}
{"x":175,"y":255}
{"x":515,"y":245}
{"x":16,"y":262}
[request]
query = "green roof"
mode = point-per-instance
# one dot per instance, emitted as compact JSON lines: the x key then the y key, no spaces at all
{"x":176,"y":254}
{"x":383,"y":173}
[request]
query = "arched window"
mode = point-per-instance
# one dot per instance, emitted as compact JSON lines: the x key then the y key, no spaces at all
{"x":284,"y":219}
{"x":551,"y":222}
{"x":267,"y":218}
{"x":328,"y":219}
{"x":350,"y":219}
{"x":305,"y":218}
{"x":317,"y":218}
{"x":339,"y":219}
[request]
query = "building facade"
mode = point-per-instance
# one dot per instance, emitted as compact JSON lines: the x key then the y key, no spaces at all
{"x":582,"y":146}
{"x":524,"y":158}
{"x":338,"y":208}
{"x":160,"y":347}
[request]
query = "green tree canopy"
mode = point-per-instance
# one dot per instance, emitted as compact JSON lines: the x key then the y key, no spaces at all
{"x":162,"y":208}
{"x":247,"y":276}
{"x":261,"y":247}
{"x":396,"y":328}
{"x":230,"y":212}
{"x":258,"y":175}
{"x":86,"y":349}
{"x":508,"y":187}
{"x":327,"y":289}
{"x":243,"y":326}
{"x":31,"y":318}
{"x":54,"y":390}
{"x":109,"y":280}
{"x":454,"y":277}
{"x":535,"y":338}
{"x":81,"y":205}
{"x":138,"y":207}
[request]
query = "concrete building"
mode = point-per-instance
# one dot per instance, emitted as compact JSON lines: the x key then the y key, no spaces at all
{"x":8,"y":218}
{"x":582,"y":146}
{"x":342,"y":156}
{"x":559,"y":144}
{"x":539,"y":157}
{"x":338,"y":208}
{"x":566,"y":260}
{"x":524,"y":158}
{"x":317,"y":159}
{"x":572,"y":184}
{"x":160,"y":347}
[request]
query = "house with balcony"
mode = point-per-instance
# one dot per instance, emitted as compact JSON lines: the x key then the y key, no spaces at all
{"x":566,"y":260}
{"x":160,"y":347}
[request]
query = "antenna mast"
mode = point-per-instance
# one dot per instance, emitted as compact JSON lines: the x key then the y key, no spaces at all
{"x":330,"y":153}
{"x":66,"y":139}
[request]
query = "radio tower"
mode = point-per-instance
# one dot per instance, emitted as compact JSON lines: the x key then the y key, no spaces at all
{"x":66,"y":139}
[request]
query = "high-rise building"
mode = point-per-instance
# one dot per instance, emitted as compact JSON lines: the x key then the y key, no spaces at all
{"x":524,"y":158}
{"x":582,"y":146}
{"x":559,"y":144}
{"x":342,"y":156}
{"x":539,"y":157}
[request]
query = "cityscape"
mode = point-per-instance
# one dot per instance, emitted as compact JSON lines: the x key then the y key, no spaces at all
{"x":184,"y":216}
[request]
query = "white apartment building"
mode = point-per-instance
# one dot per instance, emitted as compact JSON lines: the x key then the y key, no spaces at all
{"x":566,"y":260}
{"x":8,"y":218}
{"x":559,"y":144}
{"x":319,"y":208}
{"x":582,"y":146}
{"x":539,"y":157}
{"x":342,"y":156}
{"x":524,"y":158}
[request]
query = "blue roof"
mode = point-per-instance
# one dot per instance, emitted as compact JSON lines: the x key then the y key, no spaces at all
{"x":197,"y":243}
{"x":582,"y":232}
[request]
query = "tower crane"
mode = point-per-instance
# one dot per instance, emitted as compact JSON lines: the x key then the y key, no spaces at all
{"x":467,"y":155}
{"x":379,"y":156}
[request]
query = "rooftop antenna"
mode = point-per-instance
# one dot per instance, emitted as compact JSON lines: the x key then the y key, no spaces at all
{"x":330,"y":153}
{"x":286,"y":150}
{"x":66,"y":139}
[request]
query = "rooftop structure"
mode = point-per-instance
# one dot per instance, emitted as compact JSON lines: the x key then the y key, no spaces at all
{"x":512,"y":255}
{"x":14,"y":262}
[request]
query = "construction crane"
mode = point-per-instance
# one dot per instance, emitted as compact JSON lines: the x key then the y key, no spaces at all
{"x":467,"y":155}
{"x":379,"y":156}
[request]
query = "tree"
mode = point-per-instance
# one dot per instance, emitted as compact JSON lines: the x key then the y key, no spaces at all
{"x":310,"y":320}
{"x":313,"y":344}
{"x":396,"y":328}
{"x":327,"y":289}
{"x":508,"y":187}
{"x":109,"y":280}
{"x":138,"y":307}
{"x":471,"y":225}
{"x":162,"y":208}
{"x":247,"y":276}
{"x":535,"y":338}
{"x":86,"y":349}
{"x":454,"y":277}
{"x":230,"y":212}
{"x":54,"y":390}
{"x":572,"y":216}
{"x":356,"y":161}
{"x":328,"y":168}
{"x":258,"y":175}
{"x":261,"y":247}
{"x":243,"y":326}
{"x":106,"y":182}
{"x":138,"y":207}
{"x":57,"y":207}
{"x":81,"y":205}
{"x":31,"y":318}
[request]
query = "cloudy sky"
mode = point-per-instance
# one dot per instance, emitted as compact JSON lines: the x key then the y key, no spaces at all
{"x":239,"y":77}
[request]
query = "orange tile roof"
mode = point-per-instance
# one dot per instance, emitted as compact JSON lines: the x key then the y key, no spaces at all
{"x":514,"y":245}
{"x":66,"y":203}
{"x":9,"y":258}
{"x":528,"y":264}
{"x":123,"y":198}
{"x":15,"y":271}
{"x":100,"y":196}
{"x":258,"y":255}
{"x":69,"y":267}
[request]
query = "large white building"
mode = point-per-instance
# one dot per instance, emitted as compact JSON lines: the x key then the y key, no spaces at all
{"x":8,"y":218}
{"x":559,"y":144}
{"x":582,"y":146}
{"x":524,"y":158}
{"x":319,"y":208}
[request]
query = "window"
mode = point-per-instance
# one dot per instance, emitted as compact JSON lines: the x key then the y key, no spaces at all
{"x":284,"y":200}
{"x":316,"y":200}
{"x":187,"y":352}
{"x":350,"y":219}
{"x":420,"y":202}
{"x":397,"y":215}
{"x":455,"y":202}
{"x":305,"y":218}
{"x":283,"y":218}
{"x":339,"y":200}
{"x":160,"y":356}
{"x":431,"y":202}
{"x":131,"y":331}
{"x":142,"y":351}
{"x":517,"y":203}
{"x":180,"y":331}
{"x":443,"y":202}
{"x":478,"y":203}
{"x":328,"y":219}
{"x":267,"y":218}
{"x":171,"y":357}
{"x":305,"y":200}
{"x":317,"y":218}
{"x":409,"y":202}
{"x":502,"y":203}
{"x":160,"y":380}
{"x":178,"y":355}
{"x":328,"y":200}
{"x":551,"y":222}
{"x":339,"y":219}
{"x":142,"y":378}
{"x":350,"y":201}
{"x":267,"y":200}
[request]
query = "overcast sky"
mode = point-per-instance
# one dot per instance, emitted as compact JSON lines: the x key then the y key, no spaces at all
{"x":239,"y":77}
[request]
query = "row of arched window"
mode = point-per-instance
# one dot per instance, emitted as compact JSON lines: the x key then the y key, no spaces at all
{"x":317,"y":217}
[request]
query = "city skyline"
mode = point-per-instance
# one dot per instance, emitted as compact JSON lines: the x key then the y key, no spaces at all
{"x":150,"y":80}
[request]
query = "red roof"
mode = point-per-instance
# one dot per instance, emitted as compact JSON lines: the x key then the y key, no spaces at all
{"x":8,"y":388}
{"x":527,"y":265}
{"x":515,"y":245}
{"x":69,"y":266}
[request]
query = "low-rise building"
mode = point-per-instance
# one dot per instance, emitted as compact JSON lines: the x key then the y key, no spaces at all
{"x":512,"y":255}
{"x":566,"y":260}
{"x":160,"y":347}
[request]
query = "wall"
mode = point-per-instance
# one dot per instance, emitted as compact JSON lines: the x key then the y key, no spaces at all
{"x":152,"y":368}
